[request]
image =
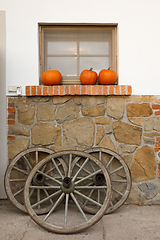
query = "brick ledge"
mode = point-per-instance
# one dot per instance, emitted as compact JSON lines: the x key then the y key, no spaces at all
{"x":61,"y":90}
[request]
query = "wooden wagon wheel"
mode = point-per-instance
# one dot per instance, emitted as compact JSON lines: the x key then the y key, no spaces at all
{"x":17,"y":172}
{"x":69,"y":217}
{"x":119,"y":174}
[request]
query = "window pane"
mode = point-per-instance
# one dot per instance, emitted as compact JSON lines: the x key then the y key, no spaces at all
{"x":94,"y":47}
{"x":66,"y":65}
{"x":62,"y":48}
{"x":97,"y":63}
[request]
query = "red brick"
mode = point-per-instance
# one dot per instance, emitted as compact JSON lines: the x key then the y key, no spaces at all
{"x":99,"y":89}
{"x":157,"y":144}
{"x":55,"y":90}
{"x":111,"y":90}
{"x":27,"y":90}
{"x":129,"y":90}
{"x":11,"y":110}
{"x":11,"y":122}
{"x":11,"y":105}
{"x":33,"y":90}
{"x":158,"y":166}
{"x":39,"y":90}
{"x":158,"y":139}
{"x":94,"y":89}
{"x":78,"y":89}
{"x":156,"y":149}
{"x":61,"y":89}
{"x":117,"y":90}
{"x":157,"y":112}
{"x":83,"y":89}
{"x":105,"y":90}
{"x":158,"y":173}
{"x":72,"y":89}
{"x":158,"y":162}
{"x":123,"y":89}
{"x":11,"y":116}
{"x":156,"y":106}
{"x":66,"y":89}
{"x":10,"y":138}
{"x":88,"y":89}
{"x":50,"y":90}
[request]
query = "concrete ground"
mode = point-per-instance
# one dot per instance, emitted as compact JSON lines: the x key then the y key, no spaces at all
{"x":129,"y":222}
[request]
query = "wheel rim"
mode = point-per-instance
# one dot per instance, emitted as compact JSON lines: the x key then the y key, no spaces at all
{"x":69,"y":187}
{"x":17,"y":172}
{"x":119,"y":173}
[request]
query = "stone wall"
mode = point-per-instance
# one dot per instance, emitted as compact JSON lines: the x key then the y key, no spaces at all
{"x":129,"y":125}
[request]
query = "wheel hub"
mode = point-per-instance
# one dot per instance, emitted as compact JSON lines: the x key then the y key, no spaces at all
{"x":39,"y":179}
{"x":99,"y":179}
{"x":67,"y":185}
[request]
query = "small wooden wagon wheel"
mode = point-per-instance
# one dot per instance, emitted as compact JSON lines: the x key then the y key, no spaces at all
{"x":17,"y":172}
{"x":119,"y":174}
{"x":82,"y":168}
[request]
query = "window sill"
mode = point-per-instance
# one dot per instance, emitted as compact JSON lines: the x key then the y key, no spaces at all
{"x":62,"y":90}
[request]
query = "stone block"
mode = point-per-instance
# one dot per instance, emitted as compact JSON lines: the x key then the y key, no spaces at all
{"x":26,"y":115}
{"x":115,"y":107}
{"x":69,"y":111}
{"x":139,"y":110}
{"x":143,"y":167}
{"x":46,"y":134}
{"x":126,"y":149}
{"x":18,"y":130}
{"x":107,"y":143}
{"x":100,"y":134}
{"x":79,"y":133}
{"x":103,"y":120}
{"x":152,"y":124}
{"x":149,"y":189}
{"x":92,"y":100}
{"x":126,"y":133}
{"x":45,"y":112}
{"x":16,"y":147}
{"x":137,"y":121}
{"x":93,"y":111}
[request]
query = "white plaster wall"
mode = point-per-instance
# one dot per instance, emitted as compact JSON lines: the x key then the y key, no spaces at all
{"x":3,"y":105}
{"x":138,"y":37}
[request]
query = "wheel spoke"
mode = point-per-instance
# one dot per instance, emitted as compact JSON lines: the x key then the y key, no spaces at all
{"x":121,"y":181}
{"x":90,"y":194}
{"x":46,"y":199}
{"x":45,"y":187}
{"x":80,"y":169}
{"x":116,"y":170}
{"x":20,"y":170}
{"x":47,"y":194}
{"x":38,"y":197}
{"x":88,"y":198}
{"x":111,"y":159}
{"x":46,"y":175}
{"x":18,"y":192}
{"x":17,"y":180}
{"x":50,"y":170}
{"x":28,"y":163}
{"x":57,"y":168}
{"x":78,"y":165}
{"x":69,"y":167}
{"x":66,"y":210}
{"x":77,"y":204}
{"x":90,"y":187}
{"x":117,"y":191}
{"x":54,"y":207}
{"x":91,"y":175}
{"x":36,"y":157}
{"x":100,"y":155}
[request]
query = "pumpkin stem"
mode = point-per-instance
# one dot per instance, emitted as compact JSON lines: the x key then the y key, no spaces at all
{"x":90,"y":69}
{"x":109,"y":68}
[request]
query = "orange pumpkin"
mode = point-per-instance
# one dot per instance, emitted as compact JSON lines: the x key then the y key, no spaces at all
{"x":88,"y":77}
{"x":107,"y":76}
{"x":51,"y":77}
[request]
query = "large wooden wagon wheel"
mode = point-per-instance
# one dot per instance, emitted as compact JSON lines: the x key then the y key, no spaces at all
{"x":82,"y":169}
{"x":119,"y":174}
{"x":17,"y":172}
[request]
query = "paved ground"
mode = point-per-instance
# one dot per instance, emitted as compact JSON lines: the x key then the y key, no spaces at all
{"x":130,"y":222}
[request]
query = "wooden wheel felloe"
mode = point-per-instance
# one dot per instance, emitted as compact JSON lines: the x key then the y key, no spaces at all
{"x":119,"y":174}
{"x":17,"y":172}
{"x":82,"y":169}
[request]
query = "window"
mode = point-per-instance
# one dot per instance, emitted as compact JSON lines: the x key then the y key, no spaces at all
{"x":73,"y":48}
